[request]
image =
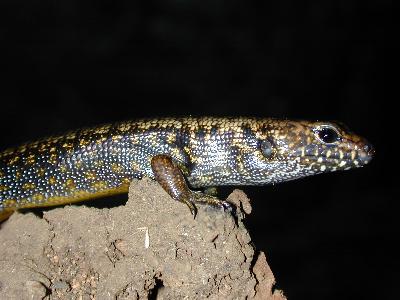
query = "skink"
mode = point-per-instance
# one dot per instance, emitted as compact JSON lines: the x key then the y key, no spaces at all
{"x":180,"y":153}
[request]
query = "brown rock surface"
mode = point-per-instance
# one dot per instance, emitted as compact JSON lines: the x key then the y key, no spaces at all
{"x":151,"y":247}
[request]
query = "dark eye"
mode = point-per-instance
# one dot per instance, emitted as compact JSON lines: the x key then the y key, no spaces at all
{"x":266,"y":148}
{"x":327,"y":135}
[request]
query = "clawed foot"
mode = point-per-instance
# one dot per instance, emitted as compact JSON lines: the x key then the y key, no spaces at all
{"x":211,"y":201}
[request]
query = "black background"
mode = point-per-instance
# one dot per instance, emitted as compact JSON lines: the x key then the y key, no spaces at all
{"x":68,"y":64}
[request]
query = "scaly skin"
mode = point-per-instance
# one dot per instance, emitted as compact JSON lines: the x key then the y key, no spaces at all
{"x":90,"y":163}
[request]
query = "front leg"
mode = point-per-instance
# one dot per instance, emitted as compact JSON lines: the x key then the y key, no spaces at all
{"x":170,"y":177}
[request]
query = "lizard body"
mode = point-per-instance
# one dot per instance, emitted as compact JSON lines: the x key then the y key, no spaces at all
{"x":203,"y":152}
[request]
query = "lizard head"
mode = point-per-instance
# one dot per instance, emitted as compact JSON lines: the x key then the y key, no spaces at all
{"x":252,"y":151}
{"x":303,"y":148}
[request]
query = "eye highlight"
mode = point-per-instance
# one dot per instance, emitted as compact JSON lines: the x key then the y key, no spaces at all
{"x":266,"y":148}
{"x":327,"y":134}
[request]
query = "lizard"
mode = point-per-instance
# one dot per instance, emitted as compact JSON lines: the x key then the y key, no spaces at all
{"x":182,"y":154}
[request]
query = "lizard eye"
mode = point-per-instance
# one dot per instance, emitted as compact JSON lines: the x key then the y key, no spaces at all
{"x":266,"y":148}
{"x":327,"y":134}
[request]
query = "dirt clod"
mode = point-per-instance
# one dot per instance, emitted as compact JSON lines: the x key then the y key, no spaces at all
{"x":150,"y":246}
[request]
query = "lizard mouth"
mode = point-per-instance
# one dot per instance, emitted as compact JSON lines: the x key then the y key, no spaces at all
{"x":344,"y":160}
{"x":332,"y":163}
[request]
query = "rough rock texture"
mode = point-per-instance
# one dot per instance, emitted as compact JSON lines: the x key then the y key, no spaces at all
{"x":151,"y":247}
